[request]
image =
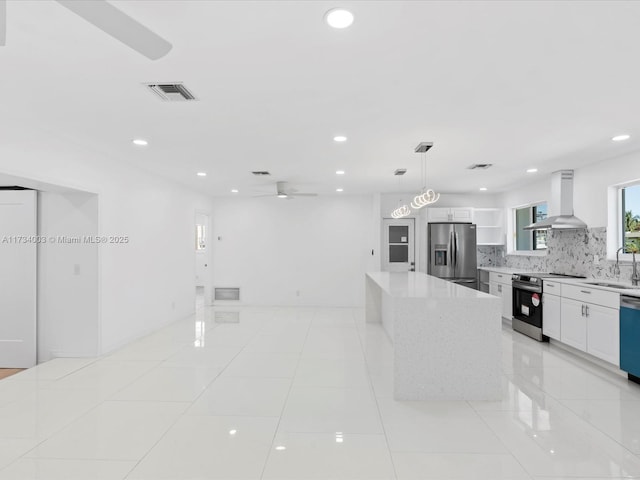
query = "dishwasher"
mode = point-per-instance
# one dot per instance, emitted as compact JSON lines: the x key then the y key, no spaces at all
{"x":630,"y":336}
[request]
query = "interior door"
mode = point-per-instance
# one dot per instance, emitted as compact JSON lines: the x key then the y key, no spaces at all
{"x":399,"y":253}
{"x":18,"y":244}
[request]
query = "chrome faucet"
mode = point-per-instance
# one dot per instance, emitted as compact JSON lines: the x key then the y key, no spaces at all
{"x":635,"y":278}
{"x":616,"y":267}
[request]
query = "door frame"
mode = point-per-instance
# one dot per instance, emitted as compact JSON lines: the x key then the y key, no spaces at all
{"x":384,"y":258}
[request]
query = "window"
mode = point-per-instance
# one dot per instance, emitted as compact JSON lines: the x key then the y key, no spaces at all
{"x":201,"y":237}
{"x":630,"y":218}
{"x":527,"y":240}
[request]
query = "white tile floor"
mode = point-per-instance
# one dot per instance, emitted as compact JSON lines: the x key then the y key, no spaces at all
{"x":306,"y":393}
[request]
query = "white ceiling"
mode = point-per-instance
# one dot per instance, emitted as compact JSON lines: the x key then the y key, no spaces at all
{"x":517,"y":84}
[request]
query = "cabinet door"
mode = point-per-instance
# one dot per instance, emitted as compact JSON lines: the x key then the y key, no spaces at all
{"x":573,"y":328}
{"x":603,"y":333}
{"x":551,"y":316}
{"x":504,"y":292}
{"x":461,"y":214}
{"x":507,"y":301}
{"x":493,"y":289}
{"x":438,"y":215}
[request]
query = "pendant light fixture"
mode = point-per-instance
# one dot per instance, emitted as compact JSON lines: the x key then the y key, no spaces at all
{"x":426,"y":196}
{"x":403,"y":210}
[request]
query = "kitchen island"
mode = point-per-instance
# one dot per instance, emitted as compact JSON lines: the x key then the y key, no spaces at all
{"x":446,"y":338}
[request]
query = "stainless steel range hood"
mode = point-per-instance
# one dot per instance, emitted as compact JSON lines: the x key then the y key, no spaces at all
{"x":560,"y":205}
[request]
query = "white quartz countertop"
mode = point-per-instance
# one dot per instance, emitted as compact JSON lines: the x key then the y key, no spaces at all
{"x":624,"y":289}
{"x":508,"y":271}
{"x":421,"y":285}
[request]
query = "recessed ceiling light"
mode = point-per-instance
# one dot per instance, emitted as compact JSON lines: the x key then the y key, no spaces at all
{"x":234,"y":190}
{"x":340,"y":138}
{"x":233,"y":432}
{"x":339,"y":189}
{"x":140,"y":142}
{"x":282,"y":195}
{"x":339,"y":18}
{"x":339,"y":172}
{"x":620,"y":138}
{"x":483,"y":189}
{"x":202,"y":174}
{"x":532,"y":170}
{"x":281,"y":447}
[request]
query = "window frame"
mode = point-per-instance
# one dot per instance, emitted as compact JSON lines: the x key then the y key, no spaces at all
{"x":620,"y":221}
{"x":513,"y":243}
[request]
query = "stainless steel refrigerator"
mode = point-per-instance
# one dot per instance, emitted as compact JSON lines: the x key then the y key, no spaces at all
{"x":452,"y":252}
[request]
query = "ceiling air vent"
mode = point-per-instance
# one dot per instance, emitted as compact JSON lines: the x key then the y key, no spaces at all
{"x":261,"y":173}
{"x":171,"y":92}
{"x":400,"y":171}
{"x":481,"y":166}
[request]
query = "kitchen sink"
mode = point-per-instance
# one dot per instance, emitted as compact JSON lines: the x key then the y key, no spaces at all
{"x":611,"y":285}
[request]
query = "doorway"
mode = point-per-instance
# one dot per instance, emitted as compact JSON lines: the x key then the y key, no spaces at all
{"x":398,"y":245}
{"x":18,"y":278}
{"x":202,"y":260}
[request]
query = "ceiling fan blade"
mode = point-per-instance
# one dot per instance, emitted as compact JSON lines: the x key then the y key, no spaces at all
{"x":120,"y":26}
{"x":304,"y":194}
{"x":3,"y":22}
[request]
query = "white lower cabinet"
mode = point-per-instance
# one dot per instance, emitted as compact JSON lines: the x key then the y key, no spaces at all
{"x":573,"y":330}
{"x":505,"y":292}
{"x":603,"y":333}
{"x":507,"y":301}
{"x":592,"y":328}
{"x":551,"y":316}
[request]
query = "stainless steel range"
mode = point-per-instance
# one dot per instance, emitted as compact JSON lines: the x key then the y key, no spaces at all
{"x":527,"y":303}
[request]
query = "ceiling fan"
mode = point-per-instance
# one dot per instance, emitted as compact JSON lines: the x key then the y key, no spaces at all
{"x":110,"y":20}
{"x":284,"y":191}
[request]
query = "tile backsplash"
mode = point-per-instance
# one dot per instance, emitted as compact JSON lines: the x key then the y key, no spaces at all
{"x":571,"y":252}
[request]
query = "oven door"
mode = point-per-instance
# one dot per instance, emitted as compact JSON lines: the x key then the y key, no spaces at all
{"x":527,"y":304}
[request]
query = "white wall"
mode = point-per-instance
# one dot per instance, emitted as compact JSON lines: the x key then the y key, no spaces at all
{"x":68,"y":286}
{"x":591,"y":184}
{"x":537,"y":191}
{"x":149,"y":281}
{"x":306,"y":251}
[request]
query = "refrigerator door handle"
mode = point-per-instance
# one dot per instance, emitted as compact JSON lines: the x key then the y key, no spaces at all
{"x":451,"y":249}
{"x":455,"y":246}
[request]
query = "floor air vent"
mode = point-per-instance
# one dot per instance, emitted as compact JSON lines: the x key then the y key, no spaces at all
{"x":226,"y":294}
{"x":171,"y":92}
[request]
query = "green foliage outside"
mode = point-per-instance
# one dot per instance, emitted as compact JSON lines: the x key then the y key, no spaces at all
{"x":631,"y":224}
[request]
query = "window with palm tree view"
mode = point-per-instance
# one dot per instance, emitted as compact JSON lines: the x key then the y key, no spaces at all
{"x":631,"y":218}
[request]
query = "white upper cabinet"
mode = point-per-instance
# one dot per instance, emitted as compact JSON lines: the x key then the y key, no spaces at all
{"x":489,"y":225}
{"x":436,"y":214}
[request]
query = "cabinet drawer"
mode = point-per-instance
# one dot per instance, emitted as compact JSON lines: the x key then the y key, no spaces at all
{"x":500,"y":277}
{"x":549,"y":286}
{"x":591,"y":295}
